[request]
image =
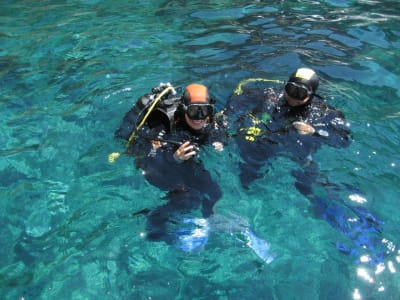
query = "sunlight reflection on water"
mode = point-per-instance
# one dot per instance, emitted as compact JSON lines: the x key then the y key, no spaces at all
{"x":69,"y":73}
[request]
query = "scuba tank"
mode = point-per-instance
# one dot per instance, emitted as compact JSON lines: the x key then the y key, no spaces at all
{"x":155,"y":110}
{"x":161,"y":112}
{"x":151,"y":109}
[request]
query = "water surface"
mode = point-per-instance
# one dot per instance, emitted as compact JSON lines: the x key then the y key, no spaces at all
{"x":71,"y":69}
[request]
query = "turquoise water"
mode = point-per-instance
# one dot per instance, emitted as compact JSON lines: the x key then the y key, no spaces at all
{"x":71,"y":69}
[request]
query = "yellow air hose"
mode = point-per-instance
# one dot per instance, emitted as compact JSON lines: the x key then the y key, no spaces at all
{"x":112,"y":157}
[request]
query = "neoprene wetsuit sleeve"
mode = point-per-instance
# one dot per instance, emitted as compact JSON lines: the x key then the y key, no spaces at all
{"x":219,"y":130}
{"x":334,"y":129}
{"x":128,"y":124}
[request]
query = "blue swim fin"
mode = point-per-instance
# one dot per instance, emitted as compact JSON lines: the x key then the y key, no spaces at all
{"x":194,"y":236}
{"x":356,"y":223}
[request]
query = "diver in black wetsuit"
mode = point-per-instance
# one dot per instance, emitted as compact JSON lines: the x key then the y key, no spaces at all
{"x":295,"y":123}
{"x":165,"y":139}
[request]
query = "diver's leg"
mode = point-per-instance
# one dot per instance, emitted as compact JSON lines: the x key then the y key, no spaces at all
{"x":203,"y":189}
{"x":170,"y":214}
{"x":254,"y":155}
{"x":356,"y":223}
{"x":306,"y":177}
{"x":156,"y":227}
{"x":248,"y":173}
{"x":211,"y":197}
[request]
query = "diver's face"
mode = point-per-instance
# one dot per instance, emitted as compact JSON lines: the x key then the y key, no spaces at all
{"x":195,"y":124}
{"x":295,"y":102}
{"x":297,"y":94}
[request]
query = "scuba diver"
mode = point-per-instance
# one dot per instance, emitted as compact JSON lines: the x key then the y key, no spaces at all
{"x":165,"y":133}
{"x":295,"y":122}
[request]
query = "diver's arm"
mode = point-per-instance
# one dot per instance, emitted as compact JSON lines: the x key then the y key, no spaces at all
{"x":217,"y":138}
{"x":334,"y":129}
{"x":332,"y":134}
{"x":128,"y":124}
{"x":219,"y":133}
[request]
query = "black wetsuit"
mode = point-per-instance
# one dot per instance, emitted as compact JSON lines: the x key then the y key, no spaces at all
{"x":188,"y":184}
{"x":263,"y":124}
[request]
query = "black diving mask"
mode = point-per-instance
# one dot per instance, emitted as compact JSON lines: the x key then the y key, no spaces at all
{"x":199,"y":111}
{"x":297,"y":91}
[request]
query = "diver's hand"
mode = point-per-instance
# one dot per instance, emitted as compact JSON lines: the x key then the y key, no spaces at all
{"x":185,"y":152}
{"x":218,"y":146}
{"x":303,"y":128}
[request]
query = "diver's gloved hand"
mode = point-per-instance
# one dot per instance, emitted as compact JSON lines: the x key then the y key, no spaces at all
{"x":194,"y":236}
{"x":303,"y":128}
{"x":185,"y":151}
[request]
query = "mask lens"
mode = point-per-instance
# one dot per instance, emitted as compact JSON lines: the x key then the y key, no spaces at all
{"x":297,"y":91}
{"x":199,"y":112}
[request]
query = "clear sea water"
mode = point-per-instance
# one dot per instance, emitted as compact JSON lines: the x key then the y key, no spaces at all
{"x":71,"y":69}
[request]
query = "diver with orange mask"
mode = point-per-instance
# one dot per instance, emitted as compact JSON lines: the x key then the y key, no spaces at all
{"x":165,"y":133}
